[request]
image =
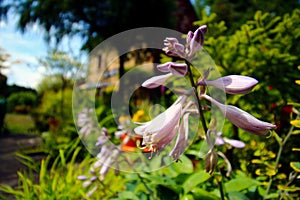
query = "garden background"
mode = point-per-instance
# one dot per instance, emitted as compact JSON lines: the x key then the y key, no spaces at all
{"x":253,"y":38}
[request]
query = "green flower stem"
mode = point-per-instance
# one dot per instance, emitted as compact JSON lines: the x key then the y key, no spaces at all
{"x":281,"y":146}
{"x":202,"y":119}
{"x":203,"y":122}
{"x":220,"y":185}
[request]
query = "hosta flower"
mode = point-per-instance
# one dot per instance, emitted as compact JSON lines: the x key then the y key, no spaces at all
{"x":174,"y":48}
{"x":156,"y":81}
{"x":160,"y":131}
{"x":232,"y":84}
{"x":182,"y":139}
{"x":177,"y":69}
{"x":195,"y":41}
{"x":222,"y":140}
{"x":241,"y":118}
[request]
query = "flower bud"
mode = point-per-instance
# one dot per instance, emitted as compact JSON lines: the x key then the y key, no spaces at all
{"x":177,"y":69}
{"x":241,"y":118}
{"x":156,"y":81}
{"x":195,"y":41}
{"x":211,"y":161}
{"x":232,"y":84}
{"x":174,"y":48}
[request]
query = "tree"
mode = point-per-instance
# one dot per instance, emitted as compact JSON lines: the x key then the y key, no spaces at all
{"x":60,"y":65}
{"x":97,"y":20}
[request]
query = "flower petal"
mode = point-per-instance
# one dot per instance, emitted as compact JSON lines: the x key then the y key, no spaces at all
{"x":177,"y":69}
{"x":156,"y":81}
{"x":182,"y":138}
{"x":242,"y":119}
{"x":233,"y":84}
{"x":160,"y":131}
{"x":197,"y":41}
{"x":235,"y":143}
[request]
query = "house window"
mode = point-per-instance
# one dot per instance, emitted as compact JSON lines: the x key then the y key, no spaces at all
{"x":99,"y":61}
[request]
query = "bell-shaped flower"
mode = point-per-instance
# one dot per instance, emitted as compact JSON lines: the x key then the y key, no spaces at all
{"x":156,"y":81}
{"x":177,"y":69}
{"x":182,"y":138}
{"x":160,"y":131}
{"x":241,"y":118}
{"x":195,"y":41}
{"x":232,"y":84}
{"x":174,"y":48}
{"x":219,"y":140}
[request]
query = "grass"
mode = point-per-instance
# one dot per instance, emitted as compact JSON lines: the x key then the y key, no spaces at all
{"x":19,"y":123}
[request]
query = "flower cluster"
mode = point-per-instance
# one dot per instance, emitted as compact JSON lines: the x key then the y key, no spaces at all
{"x":173,"y":122}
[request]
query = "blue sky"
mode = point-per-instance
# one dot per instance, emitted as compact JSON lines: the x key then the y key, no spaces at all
{"x":27,"y":48}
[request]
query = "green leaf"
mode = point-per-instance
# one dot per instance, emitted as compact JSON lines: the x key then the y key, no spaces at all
{"x":296,"y":123}
{"x":240,"y":184}
{"x":295,"y":166}
{"x":127,"y":195}
{"x":185,"y":165}
{"x":187,"y":197}
{"x":62,"y":157}
{"x":194,"y":180}
{"x":200,"y":193}
{"x":296,"y":132}
{"x":237,"y":196}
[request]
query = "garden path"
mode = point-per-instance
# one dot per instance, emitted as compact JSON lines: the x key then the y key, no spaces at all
{"x":9,"y":165}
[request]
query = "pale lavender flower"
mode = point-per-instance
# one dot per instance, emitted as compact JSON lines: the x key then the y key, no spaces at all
{"x":102,"y":138}
{"x":86,"y":184}
{"x":177,"y":69}
{"x":85,"y":122}
{"x":86,"y":129}
{"x":156,"y":81}
{"x":222,"y":140}
{"x":160,"y":131}
{"x":92,"y":191}
{"x":182,"y":139}
{"x":232,"y":84}
{"x":195,"y":41}
{"x":82,"y":177}
{"x":83,"y":117}
{"x":108,"y":162}
{"x":241,"y":118}
{"x":174,"y":48}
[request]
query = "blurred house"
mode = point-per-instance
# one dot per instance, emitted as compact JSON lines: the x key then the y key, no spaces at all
{"x":104,"y":64}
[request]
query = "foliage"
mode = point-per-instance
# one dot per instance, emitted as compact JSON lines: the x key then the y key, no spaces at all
{"x":19,"y":123}
{"x":264,"y":48}
{"x":21,"y":102}
{"x":52,"y":83}
{"x":235,"y":13}
{"x":57,"y":180}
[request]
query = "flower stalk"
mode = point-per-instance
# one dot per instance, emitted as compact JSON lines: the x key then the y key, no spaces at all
{"x":279,"y":153}
{"x":198,"y":101}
